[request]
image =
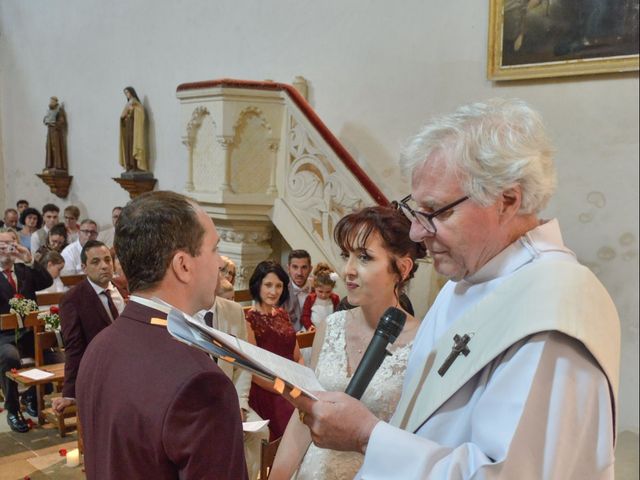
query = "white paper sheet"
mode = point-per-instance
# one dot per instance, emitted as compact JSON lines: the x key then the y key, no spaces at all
{"x":188,"y":330}
{"x":36,"y":374}
{"x":254,"y":426}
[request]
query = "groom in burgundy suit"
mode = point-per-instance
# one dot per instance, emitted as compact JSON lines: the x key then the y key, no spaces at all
{"x":152,"y":407}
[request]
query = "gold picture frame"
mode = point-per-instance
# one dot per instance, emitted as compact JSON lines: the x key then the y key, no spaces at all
{"x":544,"y":38}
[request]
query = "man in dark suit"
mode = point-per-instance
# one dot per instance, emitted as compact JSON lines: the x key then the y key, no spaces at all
{"x":85,"y":310}
{"x":152,"y":407}
{"x":26,"y":280}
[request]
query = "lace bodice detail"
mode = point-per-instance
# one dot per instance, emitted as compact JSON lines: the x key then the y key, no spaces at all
{"x":381,"y":397}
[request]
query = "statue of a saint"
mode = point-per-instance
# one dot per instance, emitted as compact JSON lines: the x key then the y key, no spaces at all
{"x":133,"y":151}
{"x":56,"y":122}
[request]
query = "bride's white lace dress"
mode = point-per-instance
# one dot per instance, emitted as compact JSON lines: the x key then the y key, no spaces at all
{"x":380,"y":397}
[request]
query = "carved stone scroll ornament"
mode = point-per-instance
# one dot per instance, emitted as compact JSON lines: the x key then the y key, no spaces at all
{"x":247,"y":237}
{"x":317,"y":195}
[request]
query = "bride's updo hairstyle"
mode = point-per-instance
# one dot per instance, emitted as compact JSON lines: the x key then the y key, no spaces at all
{"x":353,"y":231}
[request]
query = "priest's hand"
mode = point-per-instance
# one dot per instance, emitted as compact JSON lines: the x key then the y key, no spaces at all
{"x":336,"y":421}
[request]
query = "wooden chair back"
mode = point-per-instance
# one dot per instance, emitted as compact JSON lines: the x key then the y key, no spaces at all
{"x":44,"y":299}
{"x":71,"y":280}
{"x":305,"y":339}
{"x":9,"y":321}
{"x":42,"y":342}
{"x":242,"y":296}
{"x":267,"y":455}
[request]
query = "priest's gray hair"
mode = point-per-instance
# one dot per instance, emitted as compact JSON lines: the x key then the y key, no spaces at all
{"x":493,"y":146}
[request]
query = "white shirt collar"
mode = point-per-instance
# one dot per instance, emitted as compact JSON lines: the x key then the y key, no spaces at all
{"x":296,"y":289}
{"x":98,"y":289}
{"x":155,"y":303}
{"x":543,"y":238}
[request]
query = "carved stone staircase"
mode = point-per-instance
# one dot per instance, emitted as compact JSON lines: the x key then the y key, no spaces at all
{"x":260,"y":160}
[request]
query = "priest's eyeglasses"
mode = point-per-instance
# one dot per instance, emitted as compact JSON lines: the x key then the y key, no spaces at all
{"x":425,"y":219}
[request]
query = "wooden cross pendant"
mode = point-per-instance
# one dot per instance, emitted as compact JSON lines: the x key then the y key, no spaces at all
{"x":459,"y":347}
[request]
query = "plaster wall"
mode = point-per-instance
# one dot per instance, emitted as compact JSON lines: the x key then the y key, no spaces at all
{"x":376,"y":72}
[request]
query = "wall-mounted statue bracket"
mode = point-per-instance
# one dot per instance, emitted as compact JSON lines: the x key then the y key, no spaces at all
{"x":136,"y":182}
{"x":58,"y":181}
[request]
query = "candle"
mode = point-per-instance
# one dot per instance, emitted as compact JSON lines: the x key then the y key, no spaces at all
{"x":73,"y":458}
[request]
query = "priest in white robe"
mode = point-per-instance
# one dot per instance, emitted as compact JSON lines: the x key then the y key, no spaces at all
{"x":514,"y":372}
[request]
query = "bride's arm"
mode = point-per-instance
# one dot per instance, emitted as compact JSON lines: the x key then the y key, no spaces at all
{"x":292,"y":449}
{"x":296,"y":438}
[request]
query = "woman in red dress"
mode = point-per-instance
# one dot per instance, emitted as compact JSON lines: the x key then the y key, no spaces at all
{"x":269,"y":287}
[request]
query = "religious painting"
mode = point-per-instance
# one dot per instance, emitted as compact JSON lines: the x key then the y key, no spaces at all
{"x":553,"y":38}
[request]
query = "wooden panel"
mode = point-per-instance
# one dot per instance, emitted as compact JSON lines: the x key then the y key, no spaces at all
{"x":305,"y":339}
{"x":43,"y":341}
{"x":242,"y":296}
{"x":71,"y":280}
{"x":49,"y":298}
{"x":9,"y":321}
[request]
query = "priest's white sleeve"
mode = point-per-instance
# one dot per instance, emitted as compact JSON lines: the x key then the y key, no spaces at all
{"x":542,"y":410}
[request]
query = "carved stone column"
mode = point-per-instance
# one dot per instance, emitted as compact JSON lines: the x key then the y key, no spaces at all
{"x":226,"y":143}
{"x":274,"y":145}
{"x":247,"y":244}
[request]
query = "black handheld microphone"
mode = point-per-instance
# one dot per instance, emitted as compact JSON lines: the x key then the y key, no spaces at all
{"x":389,"y":328}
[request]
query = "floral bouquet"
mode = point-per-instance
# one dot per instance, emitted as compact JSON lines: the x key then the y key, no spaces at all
{"x":51,"y":319}
{"x":22,"y":306}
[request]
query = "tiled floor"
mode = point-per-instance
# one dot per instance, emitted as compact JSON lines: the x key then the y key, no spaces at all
{"x":35,"y":454}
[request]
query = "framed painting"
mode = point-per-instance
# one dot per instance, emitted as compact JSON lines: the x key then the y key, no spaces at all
{"x":554,"y":38}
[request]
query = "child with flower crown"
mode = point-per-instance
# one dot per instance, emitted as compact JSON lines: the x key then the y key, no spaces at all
{"x":322,"y":302}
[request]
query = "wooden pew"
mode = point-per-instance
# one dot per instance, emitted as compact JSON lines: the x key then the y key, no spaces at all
{"x":71,"y":280}
{"x":44,"y":299}
{"x":9,"y":321}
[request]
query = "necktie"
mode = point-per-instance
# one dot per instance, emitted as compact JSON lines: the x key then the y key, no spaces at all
{"x":11,"y":280}
{"x":112,"y":306}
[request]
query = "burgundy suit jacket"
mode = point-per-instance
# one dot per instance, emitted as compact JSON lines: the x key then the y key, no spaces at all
{"x":82,"y":317}
{"x":152,"y":407}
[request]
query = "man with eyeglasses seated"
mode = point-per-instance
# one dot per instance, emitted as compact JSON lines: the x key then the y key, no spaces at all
{"x":514,"y":371}
{"x":71,"y":253}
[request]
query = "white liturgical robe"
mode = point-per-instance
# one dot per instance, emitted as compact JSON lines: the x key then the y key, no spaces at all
{"x":543,"y":408}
